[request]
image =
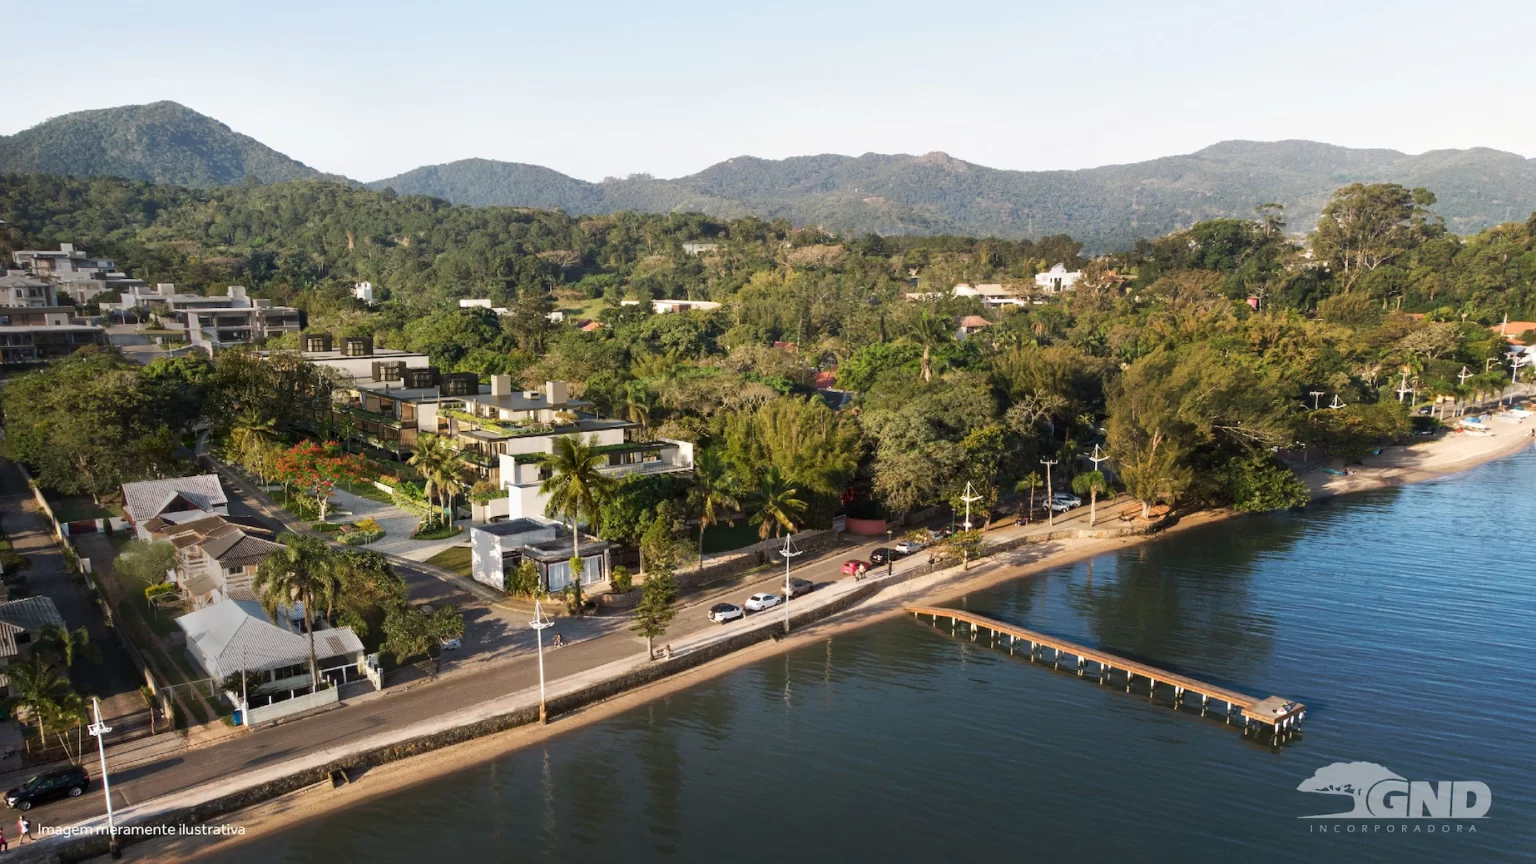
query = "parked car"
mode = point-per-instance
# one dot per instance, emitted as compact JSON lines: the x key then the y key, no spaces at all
{"x":910,"y":546}
{"x":48,"y":786}
{"x":451,"y":644}
{"x":760,"y":601}
{"x":882,"y":555}
{"x":800,"y":586}
{"x":854,"y":567}
{"x":1061,"y":502}
{"x":723,"y":612}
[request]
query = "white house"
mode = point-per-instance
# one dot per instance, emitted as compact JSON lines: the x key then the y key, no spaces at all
{"x":363,"y":291}
{"x":1058,"y":279}
{"x":501,"y":546}
{"x":235,"y":634}
{"x":175,"y":499}
{"x":664,"y":307}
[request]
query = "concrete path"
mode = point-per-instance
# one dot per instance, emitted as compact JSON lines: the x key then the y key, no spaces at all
{"x":398,"y":525}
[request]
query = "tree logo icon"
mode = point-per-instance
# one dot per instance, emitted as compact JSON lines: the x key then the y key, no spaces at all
{"x":1377,"y":792}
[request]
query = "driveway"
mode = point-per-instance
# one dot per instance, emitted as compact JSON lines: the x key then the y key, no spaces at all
{"x":398,"y":525}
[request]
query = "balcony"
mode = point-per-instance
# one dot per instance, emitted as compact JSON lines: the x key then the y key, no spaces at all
{"x":505,"y":430}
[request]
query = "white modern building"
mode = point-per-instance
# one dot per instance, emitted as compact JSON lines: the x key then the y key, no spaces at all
{"x":214,"y":328}
{"x":363,"y":291}
{"x":74,"y":273}
{"x":664,"y":307}
{"x":32,"y":334}
{"x":1057,"y":279}
{"x":499,"y":547}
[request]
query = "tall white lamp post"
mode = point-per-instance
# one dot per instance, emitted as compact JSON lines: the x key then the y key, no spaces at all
{"x":100,"y":730}
{"x":789,"y":552}
{"x":539,"y":624}
{"x":969,"y":496}
{"x":1050,"y":511}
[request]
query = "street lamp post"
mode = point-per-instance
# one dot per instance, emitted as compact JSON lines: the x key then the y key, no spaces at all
{"x":1336,"y":404}
{"x":890,"y":554}
{"x":1316,"y":395}
{"x":100,"y":730}
{"x":789,"y":552}
{"x":1050,"y":512}
{"x":969,"y":496}
{"x":539,"y":624}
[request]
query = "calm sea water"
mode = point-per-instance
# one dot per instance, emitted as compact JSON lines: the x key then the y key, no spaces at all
{"x":1405,"y":619}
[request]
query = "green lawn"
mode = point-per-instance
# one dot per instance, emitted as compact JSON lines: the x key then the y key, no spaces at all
{"x":366,"y":490}
{"x":457,"y":558}
{"x":442,"y":533}
{"x":722,"y":538}
{"x":77,"y":508}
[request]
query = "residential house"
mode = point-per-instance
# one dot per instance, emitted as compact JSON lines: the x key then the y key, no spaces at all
{"x":211,"y":329}
{"x":554,"y":317}
{"x":1057,"y":279}
{"x":74,"y":273}
{"x":499,"y":547}
{"x":216,"y":556}
{"x":665,"y":307}
{"x":172,"y":500}
{"x":21,"y":623}
{"x":363,"y":291}
{"x":19,"y":288}
{"x":699,"y":247}
{"x":970,"y":324}
{"x":31,"y":334}
{"x":991,"y":295}
{"x":506,"y":434}
{"x":232,"y":635}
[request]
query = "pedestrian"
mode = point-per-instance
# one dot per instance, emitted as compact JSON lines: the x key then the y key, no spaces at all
{"x":4,"y":846}
{"x":26,"y":830}
{"x":668,"y":651}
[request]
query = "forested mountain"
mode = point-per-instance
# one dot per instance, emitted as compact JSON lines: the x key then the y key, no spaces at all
{"x":160,"y":143}
{"x":1108,"y":208}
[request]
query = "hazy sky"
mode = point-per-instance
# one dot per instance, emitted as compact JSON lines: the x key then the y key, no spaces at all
{"x":371,"y":89}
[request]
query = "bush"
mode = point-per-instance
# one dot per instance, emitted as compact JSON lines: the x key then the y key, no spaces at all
{"x":362,"y":532}
{"x":621,"y":580}
{"x":159,"y":589}
{"x":325,"y":527}
{"x":523,"y":580}
{"x":12,"y":561}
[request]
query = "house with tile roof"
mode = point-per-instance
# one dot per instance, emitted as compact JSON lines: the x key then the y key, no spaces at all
{"x":216,"y":556}
{"x":174,"y":499}
{"x":21,"y":623}
{"x":232,"y":635}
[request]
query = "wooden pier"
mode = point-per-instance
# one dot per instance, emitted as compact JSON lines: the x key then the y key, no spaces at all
{"x":1282,"y":716}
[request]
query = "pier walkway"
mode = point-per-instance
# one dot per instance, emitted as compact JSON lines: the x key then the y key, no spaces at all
{"x":1273,"y":713}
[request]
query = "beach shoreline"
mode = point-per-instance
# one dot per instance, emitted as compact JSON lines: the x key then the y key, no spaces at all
{"x":1442,"y":457}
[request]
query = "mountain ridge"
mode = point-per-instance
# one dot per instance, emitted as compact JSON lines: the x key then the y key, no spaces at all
{"x":1109,"y":206}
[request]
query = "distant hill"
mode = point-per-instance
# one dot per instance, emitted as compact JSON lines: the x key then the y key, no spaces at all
{"x":162,"y":143}
{"x":1106,"y":207}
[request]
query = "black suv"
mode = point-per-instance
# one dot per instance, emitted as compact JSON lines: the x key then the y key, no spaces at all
{"x":882,"y":555}
{"x":45,"y":787}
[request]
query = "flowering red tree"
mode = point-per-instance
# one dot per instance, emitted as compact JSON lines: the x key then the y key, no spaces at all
{"x":315,"y":469}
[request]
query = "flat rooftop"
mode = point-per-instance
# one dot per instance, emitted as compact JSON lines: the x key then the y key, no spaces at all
{"x":521,"y":402}
{"x":515,"y":526}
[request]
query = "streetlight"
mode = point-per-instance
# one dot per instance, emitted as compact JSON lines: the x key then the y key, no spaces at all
{"x":890,"y":554}
{"x":789,"y":552}
{"x":1050,"y":512}
{"x":539,"y":623}
{"x":1336,"y":404}
{"x":969,"y":496}
{"x":1316,"y":395}
{"x":100,"y":730}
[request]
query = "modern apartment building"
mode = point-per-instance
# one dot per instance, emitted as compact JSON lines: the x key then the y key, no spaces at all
{"x":75,"y":273}
{"x":32,"y":334}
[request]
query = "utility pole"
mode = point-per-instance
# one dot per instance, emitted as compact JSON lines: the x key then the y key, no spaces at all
{"x":1401,"y":388}
{"x":789,"y":552}
{"x":1316,"y":395}
{"x":100,"y":730}
{"x":1050,"y":512}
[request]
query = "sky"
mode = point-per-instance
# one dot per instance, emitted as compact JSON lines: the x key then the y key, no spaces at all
{"x":599,"y":88}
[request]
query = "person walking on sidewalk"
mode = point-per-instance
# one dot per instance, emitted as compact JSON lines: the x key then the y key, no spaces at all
{"x":25,"y":825}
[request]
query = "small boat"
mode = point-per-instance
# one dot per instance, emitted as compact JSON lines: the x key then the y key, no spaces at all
{"x":1334,"y":471}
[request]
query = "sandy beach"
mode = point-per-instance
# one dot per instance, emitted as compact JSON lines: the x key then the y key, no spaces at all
{"x":1431,"y":459}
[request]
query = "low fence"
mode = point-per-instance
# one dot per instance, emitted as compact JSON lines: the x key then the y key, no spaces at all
{"x":289,"y":707}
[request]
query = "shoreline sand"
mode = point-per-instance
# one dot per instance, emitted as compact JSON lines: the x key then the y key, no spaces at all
{"x":1419,"y":462}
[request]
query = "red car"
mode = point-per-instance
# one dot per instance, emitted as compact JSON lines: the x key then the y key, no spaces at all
{"x":855,"y":567}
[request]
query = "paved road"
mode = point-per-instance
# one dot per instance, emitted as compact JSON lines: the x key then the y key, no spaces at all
{"x":114,"y":679}
{"x":466,"y":681}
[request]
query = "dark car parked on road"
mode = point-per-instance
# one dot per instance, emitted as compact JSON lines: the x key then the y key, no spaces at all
{"x":49,"y":785}
{"x":882,"y":555}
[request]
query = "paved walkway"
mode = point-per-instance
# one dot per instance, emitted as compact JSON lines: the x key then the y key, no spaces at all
{"x":398,"y":525}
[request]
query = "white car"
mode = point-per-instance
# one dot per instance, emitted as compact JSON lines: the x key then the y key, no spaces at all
{"x":910,"y":546}
{"x":759,"y":602}
{"x":1061,"y":502}
{"x":452,"y":643}
{"x":723,"y":612}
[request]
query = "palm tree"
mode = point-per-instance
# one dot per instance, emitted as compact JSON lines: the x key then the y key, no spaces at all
{"x":930,"y":331}
{"x":714,"y":493}
{"x":39,"y":690}
{"x":1092,"y":484}
{"x":634,"y":404}
{"x":776,"y":505}
{"x":1031,"y":482}
{"x":248,"y":431}
{"x":439,"y":465}
{"x":67,"y":644}
{"x":575,"y":485}
{"x":303,"y":571}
